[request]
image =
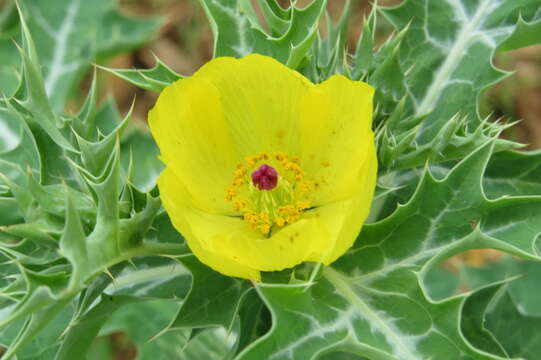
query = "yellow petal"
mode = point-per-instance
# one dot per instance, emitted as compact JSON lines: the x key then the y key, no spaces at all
{"x":341,"y":221}
{"x":287,"y":247}
{"x":200,"y":228}
{"x":336,"y":120}
{"x":194,"y":141}
{"x":260,"y":100}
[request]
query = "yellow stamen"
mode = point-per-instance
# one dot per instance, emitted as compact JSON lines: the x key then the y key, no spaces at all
{"x":264,"y":228}
{"x":264,"y":216}
{"x":230,"y":194}
{"x":238,"y":205}
{"x":251,"y":161}
{"x":281,"y":205}
{"x":302,"y":205}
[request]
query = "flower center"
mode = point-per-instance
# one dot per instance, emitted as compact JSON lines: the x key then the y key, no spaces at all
{"x":265,"y":177}
{"x":269,"y":191}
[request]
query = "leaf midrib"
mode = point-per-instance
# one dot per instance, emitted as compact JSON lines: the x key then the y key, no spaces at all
{"x":445,"y":71}
{"x":340,"y":283}
{"x":62,"y":34}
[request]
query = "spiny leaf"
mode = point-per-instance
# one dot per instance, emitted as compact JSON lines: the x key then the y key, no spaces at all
{"x":34,"y":325}
{"x":254,"y":320}
{"x":96,"y":154}
{"x":140,"y":149}
{"x":399,"y":149}
{"x":30,"y":104}
{"x":363,"y":59}
{"x":525,"y":34}
{"x":212,"y":344}
{"x":18,"y":149}
{"x":513,"y":173}
{"x":73,"y":244}
{"x":329,"y":52}
{"x":237,"y":33}
{"x":213,"y":298}
{"x":448,"y":66}
{"x":80,"y":335}
{"x":523,"y":289}
{"x":43,"y":346}
{"x":31,"y":92}
{"x":9,"y":55}
{"x":155,"y":79}
{"x":71,"y":34}
{"x":141,"y":321}
{"x":518,"y":332}
{"x":473,"y":320}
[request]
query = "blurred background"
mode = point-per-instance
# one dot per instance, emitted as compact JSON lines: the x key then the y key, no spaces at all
{"x":184,"y":43}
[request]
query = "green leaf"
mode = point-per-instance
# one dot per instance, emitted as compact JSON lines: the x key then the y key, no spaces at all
{"x":212,"y":344}
{"x":141,"y":152}
{"x":213,"y":299}
{"x":73,"y":244}
{"x":152,"y":278}
{"x":8,"y":55}
{"x":473,"y":320}
{"x":155,"y":79}
{"x":523,"y":289}
{"x":329,"y":52}
{"x":40,"y":308}
{"x":110,"y":240}
{"x":514,"y":314}
{"x":30,"y":104}
{"x":363,"y":59}
{"x":107,"y":116}
{"x":254,"y":320}
{"x":452,"y":142}
{"x":372,"y":301}
{"x":71,"y":34}
{"x":31,"y":93}
{"x":519,"y":333}
{"x":141,"y":321}
{"x":238,"y":33}
{"x":43,"y":346}
{"x":513,"y":173}
{"x":18,"y":149}
{"x":142,"y":294}
{"x":80,"y":335}
{"x":525,"y":34}
{"x":448,"y":51}
{"x":508,"y":173}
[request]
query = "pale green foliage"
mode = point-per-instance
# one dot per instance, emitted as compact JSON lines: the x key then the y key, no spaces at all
{"x":68,"y":37}
{"x":82,"y":226}
{"x":154,"y":79}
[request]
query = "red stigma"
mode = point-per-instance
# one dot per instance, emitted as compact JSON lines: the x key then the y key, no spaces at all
{"x":265,"y":177}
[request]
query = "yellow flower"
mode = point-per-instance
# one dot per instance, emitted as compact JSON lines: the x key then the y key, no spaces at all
{"x":264,"y":169}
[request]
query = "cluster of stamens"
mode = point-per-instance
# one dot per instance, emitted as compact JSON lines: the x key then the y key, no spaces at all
{"x":266,"y":197}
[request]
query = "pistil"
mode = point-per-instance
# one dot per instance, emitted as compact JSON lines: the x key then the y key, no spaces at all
{"x":265,"y":177}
